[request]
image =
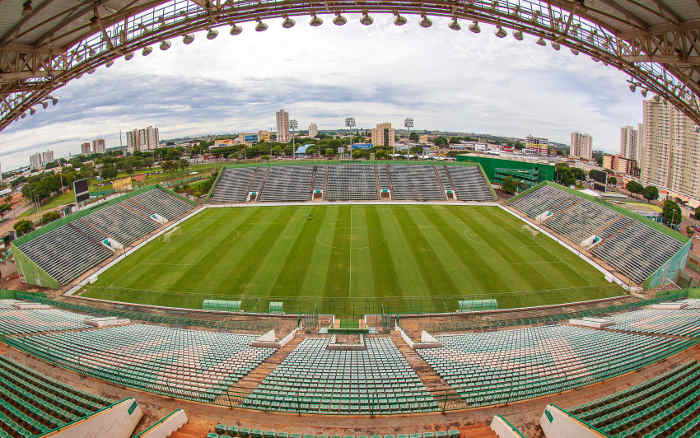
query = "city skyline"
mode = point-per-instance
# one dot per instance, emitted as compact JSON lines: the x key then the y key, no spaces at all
{"x":238,"y":94}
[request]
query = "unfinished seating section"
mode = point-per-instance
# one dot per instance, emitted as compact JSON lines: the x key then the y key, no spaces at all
{"x":34,"y":405}
{"x":469,"y":183}
{"x":190,"y":364}
{"x":234,"y":184}
{"x":492,"y":368}
{"x":313,"y":379}
{"x":287,"y":183}
{"x":66,"y":252}
{"x":631,"y":247}
{"x":667,"y":405}
{"x":349,"y":182}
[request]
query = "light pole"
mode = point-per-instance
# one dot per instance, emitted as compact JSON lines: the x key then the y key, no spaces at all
{"x":350,"y":123}
{"x":408,"y":123}
{"x":293,"y":126}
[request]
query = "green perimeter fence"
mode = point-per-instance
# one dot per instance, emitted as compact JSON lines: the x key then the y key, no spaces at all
{"x":295,"y":400}
{"x":356,"y":306}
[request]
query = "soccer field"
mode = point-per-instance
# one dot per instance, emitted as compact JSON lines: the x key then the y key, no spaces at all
{"x":349,"y":259}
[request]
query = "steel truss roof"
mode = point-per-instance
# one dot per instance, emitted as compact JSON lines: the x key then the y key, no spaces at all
{"x":46,"y":43}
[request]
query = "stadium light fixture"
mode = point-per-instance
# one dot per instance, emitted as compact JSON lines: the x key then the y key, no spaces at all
{"x":32,"y":111}
{"x":315,"y":20}
{"x":501,"y":33}
{"x":633,"y":87}
{"x":54,"y":100}
{"x":644,"y":92}
{"x":165,"y":45}
{"x":350,"y":124}
{"x":235,"y":30}
{"x":408,"y":124}
{"x":556,"y":46}
{"x":425,"y":22}
{"x":293,"y":124}
{"x":541,"y":42}
{"x":574,"y":52}
{"x":339,"y":20}
{"x":366,"y":19}
{"x":44,"y":104}
{"x":474,"y":27}
{"x":128,"y":56}
{"x":213,"y":33}
{"x":454,"y":25}
{"x":188,"y":38}
{"x":400,"y":20}
{"x":260,"y":27}
{"x":109,"y":63}
{"x":146,"y":51}
{"x":288,"y":23}
{"x":518,"y":35}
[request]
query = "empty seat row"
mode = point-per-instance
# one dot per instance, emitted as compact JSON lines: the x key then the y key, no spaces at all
{"x":234,"y":184}
{"x":225,"y":431}
{"x":287,"y":183}
{"x":469,"y":183}
{"x":347,"y":183}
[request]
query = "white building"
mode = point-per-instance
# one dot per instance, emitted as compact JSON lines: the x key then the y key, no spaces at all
{"x":581,"y":146}
{"x":46,"y":157}
{"x":98,"y":145}
{"x":629,"y":143}
{"x":313,"y":130}
{"x":35,"y":161}
{"x":145,"y":139}
{"x":282,"y":126}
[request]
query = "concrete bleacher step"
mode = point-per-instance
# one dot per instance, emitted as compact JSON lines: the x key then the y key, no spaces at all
{"x":253,"y":379}
{"x":190,"y":430}
{"x":436,"y":386}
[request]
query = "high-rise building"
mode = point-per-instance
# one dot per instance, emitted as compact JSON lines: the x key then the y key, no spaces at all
{"x":629,"y":143}
{"x":671,"y":149}
{"x":85,"y":148}
{"x":98,"y":146}
{"x":282,"y":126}
{"x":313,"y":130}
{"x":46,"y":157}
{"x":142,"y":139}
{"x":383,"y":135}
{"x":581,"y":146}
{"x":35,"y":161}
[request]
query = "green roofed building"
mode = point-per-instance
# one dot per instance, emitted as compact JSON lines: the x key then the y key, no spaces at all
{"x":498,"y":168}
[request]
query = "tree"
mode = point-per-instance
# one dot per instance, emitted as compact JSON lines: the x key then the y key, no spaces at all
{"x":690,"y":231}
{"x":23,"y":227}
{"x":4,"y":208}
{"x":108,"y":172}
{"x":697,"y":213}
{"x":413,"y":136}
{"x":612,"y":180}
{"x":49,"y":217}
{"x":564,"y":175}
{"x":440,"y":141}
{"x":455,"y":140}
{"x":416,"y":150}
{"x":672,"y":213}
{"x":509,"y":184}
{"x":650,"y":193}
{"x":579,"y":174}
{"x":635,"y":187}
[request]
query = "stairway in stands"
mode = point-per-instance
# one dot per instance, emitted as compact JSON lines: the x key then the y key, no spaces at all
{"x":246,"y":385}
{"x":436,"y":386}
{"x":190,"y":430}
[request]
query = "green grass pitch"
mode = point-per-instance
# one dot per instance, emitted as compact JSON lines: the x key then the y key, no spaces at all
{"x":351,"y":259}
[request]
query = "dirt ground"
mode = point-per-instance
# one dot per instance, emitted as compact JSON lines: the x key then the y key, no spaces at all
{"x":524,"y":415}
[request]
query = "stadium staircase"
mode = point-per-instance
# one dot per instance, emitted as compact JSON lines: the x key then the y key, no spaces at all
{"x":252,"y":380}
{"x":435,"y":384}
{"x":189,"y":430}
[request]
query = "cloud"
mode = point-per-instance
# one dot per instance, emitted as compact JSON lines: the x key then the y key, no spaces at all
{"x":443,"y":79}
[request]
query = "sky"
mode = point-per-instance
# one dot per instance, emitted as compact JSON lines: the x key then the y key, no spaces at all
{"x":444,"y":80}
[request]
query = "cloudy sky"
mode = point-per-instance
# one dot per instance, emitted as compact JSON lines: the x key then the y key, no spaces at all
{"x":443,"y":79}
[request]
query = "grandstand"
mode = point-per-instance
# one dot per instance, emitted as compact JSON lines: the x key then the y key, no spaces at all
{"x":34,"y":405}
{"x":667,"y":405}
{"x":631,"y":245}
{"x":314,"y":379}
{"x":24,"y":321}
{"x":499,"y":367}
{"x":189,"y":364}
{"x":352,"y":182}
{"x":60,"y":252}
{"x":681,"y":322}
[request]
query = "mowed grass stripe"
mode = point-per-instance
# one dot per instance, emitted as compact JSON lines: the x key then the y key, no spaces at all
{"x":251,"y":261}
{"x":428,"y":262}
{"x":514,"y":254}
{"x":411,"y":282}
{"x":292,"y":274}
{"x":386,"y":281}
{"x":475,"y":262}
{"x":320,"y":255}
{"x":542,"y":246}
{"x":362,"y":278}
{"x":338,"y":277}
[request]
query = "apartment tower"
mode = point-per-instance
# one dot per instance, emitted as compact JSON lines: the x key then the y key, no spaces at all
{"x":282,"y":126}
{"x":581,"y":146}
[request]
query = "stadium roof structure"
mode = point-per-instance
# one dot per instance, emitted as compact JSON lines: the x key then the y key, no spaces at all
{"x":44,"y":44}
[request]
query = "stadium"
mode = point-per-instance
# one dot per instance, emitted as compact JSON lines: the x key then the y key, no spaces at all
{"x":355,"y":299}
